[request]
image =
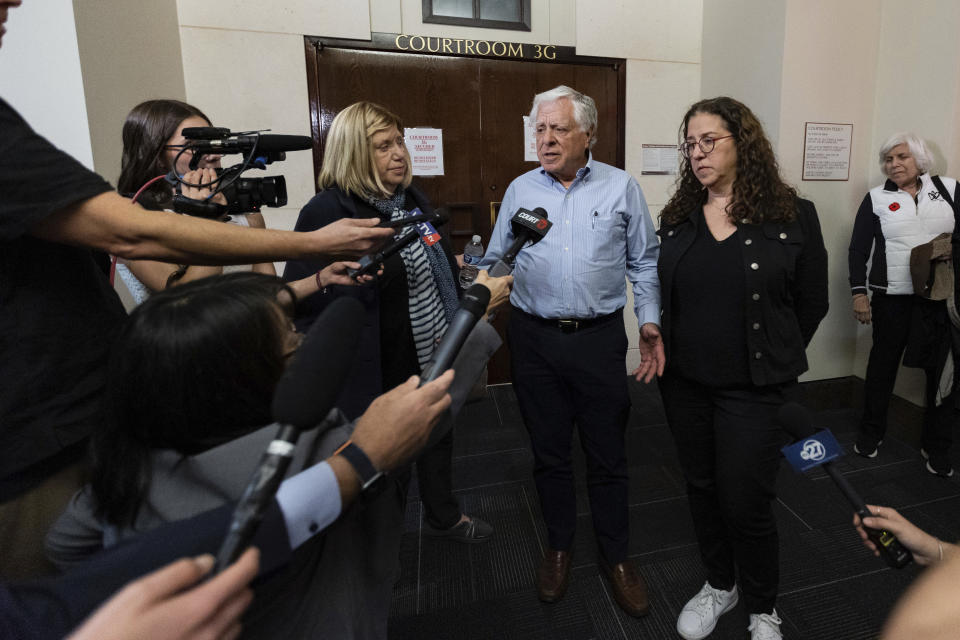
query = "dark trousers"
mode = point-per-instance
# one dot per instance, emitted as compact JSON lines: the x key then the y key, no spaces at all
{"x":891,"y":319}
{"x":562,"y":379}
{"x":729,"y":444}
{"x":435,"y":479}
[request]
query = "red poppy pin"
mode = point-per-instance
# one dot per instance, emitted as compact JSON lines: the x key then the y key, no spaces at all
{"x":894,"y":206}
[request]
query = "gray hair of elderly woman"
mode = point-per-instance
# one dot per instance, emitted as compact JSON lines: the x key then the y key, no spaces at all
{"x":584,"y":108}
{"x":918,"y":149}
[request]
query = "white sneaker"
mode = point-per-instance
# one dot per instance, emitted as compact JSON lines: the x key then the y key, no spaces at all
{"x":765,"y":626}
{"x":699,"y":616}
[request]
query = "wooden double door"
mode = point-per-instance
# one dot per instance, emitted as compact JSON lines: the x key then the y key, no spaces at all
{"x":479,"y":103}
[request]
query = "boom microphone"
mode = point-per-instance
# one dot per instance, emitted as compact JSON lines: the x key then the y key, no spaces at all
{"x":795,"y":420}
{"x":265,"y":143}
{"x":527,"y":226}
{"x":305,"y":394}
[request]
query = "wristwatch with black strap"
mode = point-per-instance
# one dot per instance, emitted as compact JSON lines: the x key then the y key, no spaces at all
{"x":371,"y":480}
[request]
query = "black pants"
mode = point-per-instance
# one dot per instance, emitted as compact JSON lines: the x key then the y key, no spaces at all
{"x":729,"y":444}
{"x":435,"y":479}
{"x":892,"y":316}
{"x":562,"y":379}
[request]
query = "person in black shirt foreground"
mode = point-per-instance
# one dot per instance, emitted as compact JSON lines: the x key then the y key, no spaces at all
{"x":58,"y":312}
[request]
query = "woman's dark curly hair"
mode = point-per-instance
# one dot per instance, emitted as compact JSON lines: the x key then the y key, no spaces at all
{"x":759,"y":193}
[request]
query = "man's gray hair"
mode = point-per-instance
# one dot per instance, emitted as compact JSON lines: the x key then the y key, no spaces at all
{"x":918,"y":149}
{"x":584,"y":108}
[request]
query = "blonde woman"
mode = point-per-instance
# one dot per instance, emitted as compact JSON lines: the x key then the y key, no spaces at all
{"x":366,"y":173}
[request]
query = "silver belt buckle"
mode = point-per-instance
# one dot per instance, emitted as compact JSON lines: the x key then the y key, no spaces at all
{"x":568,"y":326}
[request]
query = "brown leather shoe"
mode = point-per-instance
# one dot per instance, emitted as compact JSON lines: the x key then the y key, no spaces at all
{"x":629,"y":588}
{"x":553,"y":575}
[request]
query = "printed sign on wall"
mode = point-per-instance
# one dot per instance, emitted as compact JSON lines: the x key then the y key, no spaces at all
{"x":426,"y":150}
{"x":826,"y":151}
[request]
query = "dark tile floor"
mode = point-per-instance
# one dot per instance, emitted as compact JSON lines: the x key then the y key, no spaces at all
{"x":831,"y":587}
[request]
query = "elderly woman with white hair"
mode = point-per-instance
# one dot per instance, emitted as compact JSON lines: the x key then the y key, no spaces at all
{"x":909,"y":209}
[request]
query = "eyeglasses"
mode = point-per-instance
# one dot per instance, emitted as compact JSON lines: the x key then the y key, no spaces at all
{"x":705,"y":143}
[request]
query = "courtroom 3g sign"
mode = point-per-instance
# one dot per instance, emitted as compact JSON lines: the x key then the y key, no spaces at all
{"x":483,"y":48}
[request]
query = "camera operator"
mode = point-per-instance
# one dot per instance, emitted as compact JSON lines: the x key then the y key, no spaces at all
{"x":154,"y":150}
{"x":58,"y":312}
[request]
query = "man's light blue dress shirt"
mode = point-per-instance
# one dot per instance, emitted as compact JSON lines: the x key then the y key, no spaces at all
{"x":601,"y":232}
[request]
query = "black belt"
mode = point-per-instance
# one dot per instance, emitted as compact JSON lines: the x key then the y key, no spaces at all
{"x":568,"y":325}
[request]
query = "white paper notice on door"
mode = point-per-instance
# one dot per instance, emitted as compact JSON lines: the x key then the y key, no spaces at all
{"x":426,"y":150}
{"x":529,"y":140}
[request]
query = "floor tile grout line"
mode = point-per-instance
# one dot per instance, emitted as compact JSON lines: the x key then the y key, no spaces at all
{"x":837,"y":581}
{"x":533,"y":521}
{"x":673,"y":548}
{"x":419,"y":550}
{"x":929,"y":502}
{"x":496,"y":406}
{"x":490,"y":453}
{"x":794,"y":514}
{"x":611,"y":607}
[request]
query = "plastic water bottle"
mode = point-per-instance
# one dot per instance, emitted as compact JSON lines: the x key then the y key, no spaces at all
{"x":471,"y":258}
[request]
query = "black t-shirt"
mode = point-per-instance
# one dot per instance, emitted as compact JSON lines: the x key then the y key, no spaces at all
{"x":708,"y":342}
{"x":58,"y":312}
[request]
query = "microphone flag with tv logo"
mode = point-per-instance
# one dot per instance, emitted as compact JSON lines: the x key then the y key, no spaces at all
{"x":813,"y":451}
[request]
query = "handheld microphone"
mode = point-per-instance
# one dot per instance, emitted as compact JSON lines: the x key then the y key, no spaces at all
{"x":472,"y":306}
{"x":795,"y":420}
{"x":371,"y":262}
{"x":305,"y":394}
{"x":437,"y":218}
{"x":527,"y":226}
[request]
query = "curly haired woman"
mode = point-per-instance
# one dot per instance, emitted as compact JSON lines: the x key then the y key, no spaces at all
{"x":743,"y":279}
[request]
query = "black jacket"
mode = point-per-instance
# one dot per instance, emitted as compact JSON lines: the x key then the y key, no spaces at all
{"x":367,"y":378}
{"x":786,"y":288}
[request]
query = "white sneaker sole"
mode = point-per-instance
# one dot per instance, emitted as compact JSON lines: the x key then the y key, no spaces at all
{"x":926,"y":457}
{"x":730,"y":605}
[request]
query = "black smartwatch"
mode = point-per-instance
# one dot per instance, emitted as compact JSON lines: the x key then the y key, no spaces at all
{"x":369,"y":477}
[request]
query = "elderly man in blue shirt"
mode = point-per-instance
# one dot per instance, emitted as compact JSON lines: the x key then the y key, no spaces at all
{"x":566,"y":333}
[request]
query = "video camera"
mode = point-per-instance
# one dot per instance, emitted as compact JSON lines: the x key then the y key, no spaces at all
{"x":243,"y":195}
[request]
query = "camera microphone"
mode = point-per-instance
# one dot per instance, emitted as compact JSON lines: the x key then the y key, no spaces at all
{"x":266,"y":143}
{"x":205,"y":133}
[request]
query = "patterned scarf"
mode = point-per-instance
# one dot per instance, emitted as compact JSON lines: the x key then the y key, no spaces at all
{"x":431,"y":292}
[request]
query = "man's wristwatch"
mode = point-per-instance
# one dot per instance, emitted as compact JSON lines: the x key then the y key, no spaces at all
{"x":369,"y":477}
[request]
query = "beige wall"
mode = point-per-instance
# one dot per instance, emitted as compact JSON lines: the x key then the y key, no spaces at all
{"x":128,"y":54}
{"x":829,"y":75}
{"x":743,"y":61}
{"x":41,"y":43}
